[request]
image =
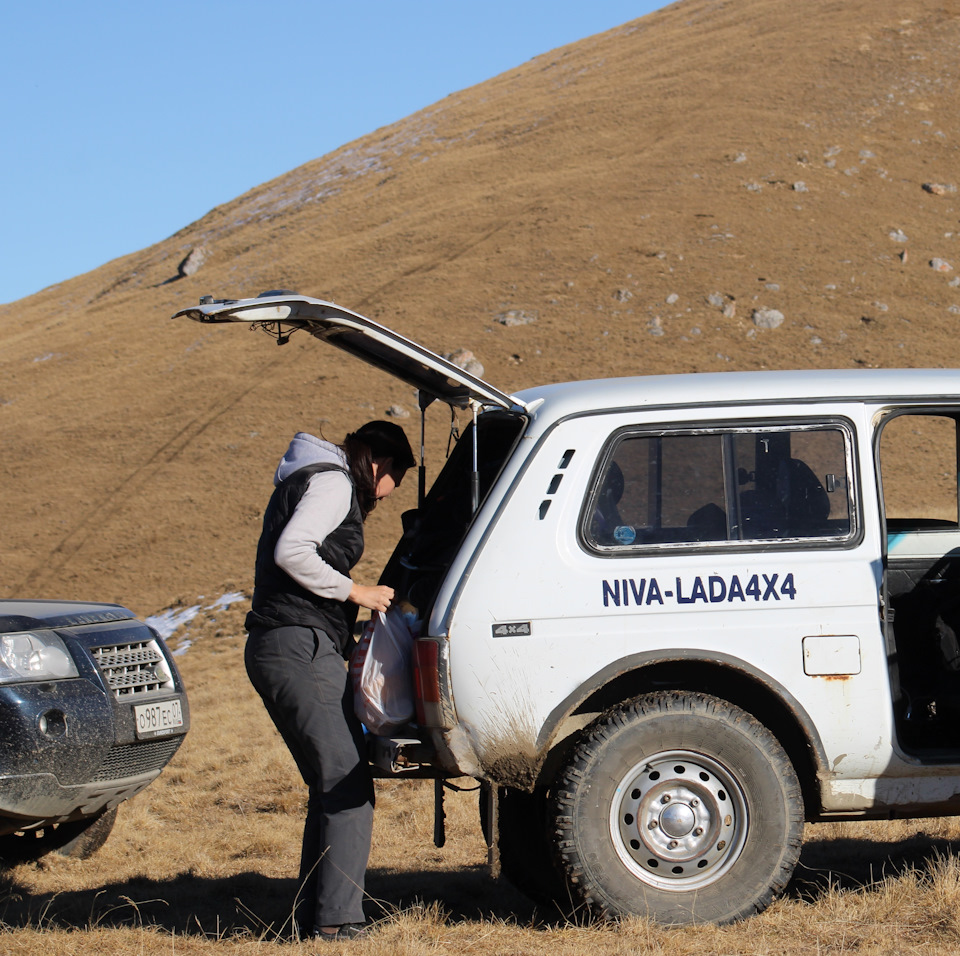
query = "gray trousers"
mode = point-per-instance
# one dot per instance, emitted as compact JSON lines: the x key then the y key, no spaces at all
{"x":304,"y":685}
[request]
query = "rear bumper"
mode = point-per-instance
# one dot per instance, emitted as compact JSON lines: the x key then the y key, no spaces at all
{"x":412,"y":756}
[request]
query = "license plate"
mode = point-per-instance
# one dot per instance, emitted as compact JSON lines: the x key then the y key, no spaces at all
{"x":154,"y":720}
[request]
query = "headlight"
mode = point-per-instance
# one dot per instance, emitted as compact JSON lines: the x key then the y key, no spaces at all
{"x":34,"y":655}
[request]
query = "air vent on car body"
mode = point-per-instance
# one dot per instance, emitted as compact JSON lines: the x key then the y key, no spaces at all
{"x":133,"y":759}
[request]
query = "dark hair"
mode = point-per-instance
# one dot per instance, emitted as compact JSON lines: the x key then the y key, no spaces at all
{"x":368,"y":443}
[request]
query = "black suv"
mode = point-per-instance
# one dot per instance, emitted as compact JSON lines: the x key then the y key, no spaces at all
{"x":91,"y":710}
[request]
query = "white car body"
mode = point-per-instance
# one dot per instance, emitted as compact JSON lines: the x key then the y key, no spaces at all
{"x":822,"y":648}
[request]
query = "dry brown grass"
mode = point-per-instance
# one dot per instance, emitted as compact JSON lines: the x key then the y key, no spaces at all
{"x":606,"y":169}
{"x":204,"y":862}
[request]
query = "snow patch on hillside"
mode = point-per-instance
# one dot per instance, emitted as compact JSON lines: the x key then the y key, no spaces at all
{"x":169,"y":621}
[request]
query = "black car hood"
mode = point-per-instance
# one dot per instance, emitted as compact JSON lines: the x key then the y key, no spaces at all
{"x":26,"y":615}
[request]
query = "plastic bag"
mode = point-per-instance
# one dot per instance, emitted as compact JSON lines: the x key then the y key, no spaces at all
{"x":381,"y":670}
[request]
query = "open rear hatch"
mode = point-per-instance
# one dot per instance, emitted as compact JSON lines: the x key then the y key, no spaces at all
{"x":280,"y":314}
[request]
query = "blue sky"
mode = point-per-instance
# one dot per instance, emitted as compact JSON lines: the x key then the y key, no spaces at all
{"x":125,"y":121}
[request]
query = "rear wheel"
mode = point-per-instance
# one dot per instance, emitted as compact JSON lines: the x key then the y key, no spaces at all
{"x":524,"y":846}
{"x":680,"y":807}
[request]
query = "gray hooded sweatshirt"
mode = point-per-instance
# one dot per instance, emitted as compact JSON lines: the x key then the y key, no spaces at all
{"x":324,"y":505}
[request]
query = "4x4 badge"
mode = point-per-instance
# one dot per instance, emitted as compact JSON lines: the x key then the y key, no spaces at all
{"x":512,"y":630}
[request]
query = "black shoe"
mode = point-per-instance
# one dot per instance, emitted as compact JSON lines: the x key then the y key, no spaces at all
{"x":346,"y":931}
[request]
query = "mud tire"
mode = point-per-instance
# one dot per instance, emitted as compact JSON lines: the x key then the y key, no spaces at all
{"x":78,"y":839}
{"x":680,"y":807}
{"x":526,"y":860}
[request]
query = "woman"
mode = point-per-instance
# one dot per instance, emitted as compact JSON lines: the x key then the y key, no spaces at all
{"x":300,"y":630}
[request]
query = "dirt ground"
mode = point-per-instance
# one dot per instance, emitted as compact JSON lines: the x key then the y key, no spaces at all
{"x":637,"y":195}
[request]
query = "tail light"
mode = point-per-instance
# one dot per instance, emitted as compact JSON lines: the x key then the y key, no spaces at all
{"x":428,"y":684}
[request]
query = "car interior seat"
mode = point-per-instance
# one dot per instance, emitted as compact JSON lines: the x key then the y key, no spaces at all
{"x":806,"y":504}
{"x":606,"y":518}
{"x":709,"y":523}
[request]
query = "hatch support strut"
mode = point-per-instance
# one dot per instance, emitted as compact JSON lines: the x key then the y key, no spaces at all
{"x":424,"y":400}
{"x":475,"y":474}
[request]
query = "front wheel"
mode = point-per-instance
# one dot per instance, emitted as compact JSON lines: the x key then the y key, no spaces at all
{"x":79,"y":839}
{"x":680,"y":807}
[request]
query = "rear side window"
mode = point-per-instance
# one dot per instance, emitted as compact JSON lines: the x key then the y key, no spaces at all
{"x":758,"y":484}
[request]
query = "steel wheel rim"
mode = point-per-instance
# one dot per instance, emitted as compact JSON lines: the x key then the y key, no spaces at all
{"x":679,"y":820}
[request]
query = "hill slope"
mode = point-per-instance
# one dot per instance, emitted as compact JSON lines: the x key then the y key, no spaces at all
{"x":640,"y":193}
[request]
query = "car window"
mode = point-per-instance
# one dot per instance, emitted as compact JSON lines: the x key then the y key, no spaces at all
{"x":723,"y":485}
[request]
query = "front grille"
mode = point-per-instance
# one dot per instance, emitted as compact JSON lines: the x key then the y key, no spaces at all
{"x":133,"y":669}
{"x":134,"y":759}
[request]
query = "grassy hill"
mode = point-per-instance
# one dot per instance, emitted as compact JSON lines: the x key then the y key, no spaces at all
{"x":639,"y":193}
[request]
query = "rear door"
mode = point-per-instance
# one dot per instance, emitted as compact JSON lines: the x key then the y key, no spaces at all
{"x":281,"y":314}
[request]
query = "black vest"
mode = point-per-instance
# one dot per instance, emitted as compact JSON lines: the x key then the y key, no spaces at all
{"x":278,"y":601}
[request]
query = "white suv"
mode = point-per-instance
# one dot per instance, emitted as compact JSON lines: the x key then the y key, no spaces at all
{"x":668,"y":619}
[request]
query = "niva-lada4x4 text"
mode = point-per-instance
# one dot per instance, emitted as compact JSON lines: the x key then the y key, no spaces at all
{"x":668,"y":619}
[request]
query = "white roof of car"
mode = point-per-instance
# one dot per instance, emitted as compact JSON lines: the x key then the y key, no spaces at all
{"x":710,"y":389}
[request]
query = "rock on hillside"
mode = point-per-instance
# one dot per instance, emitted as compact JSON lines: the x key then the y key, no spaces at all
{"x":644,"y":194}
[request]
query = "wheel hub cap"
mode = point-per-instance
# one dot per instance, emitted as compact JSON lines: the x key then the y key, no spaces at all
{"x":679,"y":820}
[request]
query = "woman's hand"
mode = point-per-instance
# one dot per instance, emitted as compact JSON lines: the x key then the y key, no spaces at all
{"x":376,"y":597}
